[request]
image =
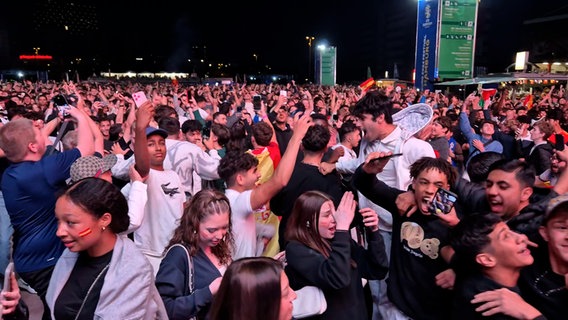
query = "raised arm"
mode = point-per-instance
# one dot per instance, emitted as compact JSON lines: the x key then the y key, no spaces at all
{"x":85,"y":142}
{"x":144,"y":115}
{"x":263,"y":193}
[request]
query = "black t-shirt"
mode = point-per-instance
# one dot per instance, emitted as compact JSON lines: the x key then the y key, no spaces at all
{"x":87,"y":269}
{"x":466,"y":289}
{"x":304,"y":178}
{"x":544,"y":289}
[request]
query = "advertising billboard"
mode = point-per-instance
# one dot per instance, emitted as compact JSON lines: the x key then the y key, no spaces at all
{"x":426,"y":40}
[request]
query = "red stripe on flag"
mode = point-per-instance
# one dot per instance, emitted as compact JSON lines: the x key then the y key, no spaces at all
{"x":367,"y":84}
{"x":488,"y":93}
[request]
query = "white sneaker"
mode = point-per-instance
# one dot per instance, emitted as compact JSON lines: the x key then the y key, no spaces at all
{"x":23,"y":285}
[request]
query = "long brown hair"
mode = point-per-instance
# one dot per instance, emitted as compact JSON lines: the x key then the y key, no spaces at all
{"x":304,"y":220}
{"x":203,"y":204}
{"x":250,"y":289}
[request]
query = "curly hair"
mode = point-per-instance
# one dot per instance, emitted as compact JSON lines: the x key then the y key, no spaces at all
{"x":428,"y":163}
{"x":203,"y":204}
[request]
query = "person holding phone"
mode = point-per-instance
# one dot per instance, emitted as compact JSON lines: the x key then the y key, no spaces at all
{"x":12,"y":307}
{"x":29,"y":186}
{"x":420,"y":252}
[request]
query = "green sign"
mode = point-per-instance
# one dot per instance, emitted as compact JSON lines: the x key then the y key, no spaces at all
{"x":327,"y":66}
{"x":457,"y":39}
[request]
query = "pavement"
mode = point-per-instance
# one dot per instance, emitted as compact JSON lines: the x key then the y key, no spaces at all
{"x":34,"y":304}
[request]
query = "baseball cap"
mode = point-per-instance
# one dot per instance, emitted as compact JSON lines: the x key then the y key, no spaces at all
{"x":555,"y":205}
{"x":161,"y":132}
{"x":91,"y":166}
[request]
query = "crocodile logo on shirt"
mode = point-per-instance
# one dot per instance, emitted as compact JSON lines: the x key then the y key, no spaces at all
{"x":169,"y":191}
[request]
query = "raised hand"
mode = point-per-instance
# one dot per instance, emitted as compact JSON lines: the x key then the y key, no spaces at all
{"x":345,"y":211}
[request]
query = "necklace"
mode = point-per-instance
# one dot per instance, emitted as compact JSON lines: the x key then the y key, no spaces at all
{"x":547,"y":292}
{"x":90,"y":289}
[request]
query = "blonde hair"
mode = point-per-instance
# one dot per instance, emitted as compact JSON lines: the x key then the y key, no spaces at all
{"x":15,"y":136}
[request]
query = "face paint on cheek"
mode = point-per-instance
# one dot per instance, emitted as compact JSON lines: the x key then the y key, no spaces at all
{"x":85,"y":232}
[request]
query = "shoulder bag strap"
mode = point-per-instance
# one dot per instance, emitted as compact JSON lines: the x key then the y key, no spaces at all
{"x":190,"y":273}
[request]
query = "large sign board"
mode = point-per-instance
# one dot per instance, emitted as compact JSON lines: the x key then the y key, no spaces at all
{"x":457,"y":38}
{"x":327,"y":66}
{"x":426,"y":40}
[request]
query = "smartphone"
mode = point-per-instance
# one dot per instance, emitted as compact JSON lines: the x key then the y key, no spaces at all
{"x":206,"y":132}
{"x":284,"y":93}
{"x":256,"y":102}
{"x":559,"y":145}
{"x":7,"y":275}
{"x":387,"y":157}
{"x":139,"y":98}
{"x":62,"y":104}
{"x":443,"y":202}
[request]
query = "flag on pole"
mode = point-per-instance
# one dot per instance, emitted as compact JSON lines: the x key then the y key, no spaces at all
{"x":367,"y":84}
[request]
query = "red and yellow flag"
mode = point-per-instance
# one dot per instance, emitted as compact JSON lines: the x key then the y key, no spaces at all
{"x":367,"y":84}
{"x":528,"y":102}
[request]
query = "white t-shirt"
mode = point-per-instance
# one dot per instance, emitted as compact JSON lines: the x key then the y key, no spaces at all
{"x":244,"y":223}
{"x":188,"y":160}
{"x":162,"y":213}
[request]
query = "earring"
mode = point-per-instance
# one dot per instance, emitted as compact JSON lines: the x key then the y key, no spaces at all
{"x":103,"y":228}
{"x":194,"y":232}
{"x":307,"y":224}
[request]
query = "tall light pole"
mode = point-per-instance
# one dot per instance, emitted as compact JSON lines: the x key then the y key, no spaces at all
{"x":310,"y":39}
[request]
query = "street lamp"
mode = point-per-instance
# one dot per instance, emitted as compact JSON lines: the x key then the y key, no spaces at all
{"x":310,"y":39}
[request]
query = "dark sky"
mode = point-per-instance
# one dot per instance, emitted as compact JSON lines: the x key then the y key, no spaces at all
{"x":235,"y":30}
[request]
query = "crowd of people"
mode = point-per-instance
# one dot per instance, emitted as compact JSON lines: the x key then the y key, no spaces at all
{"x":164,"y":201}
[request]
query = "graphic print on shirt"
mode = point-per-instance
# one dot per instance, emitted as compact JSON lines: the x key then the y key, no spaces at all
{"x":169,"y":191}
{"x":414,"y":236}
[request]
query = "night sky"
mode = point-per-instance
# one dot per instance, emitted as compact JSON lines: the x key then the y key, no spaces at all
{"x":233,"y":31}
